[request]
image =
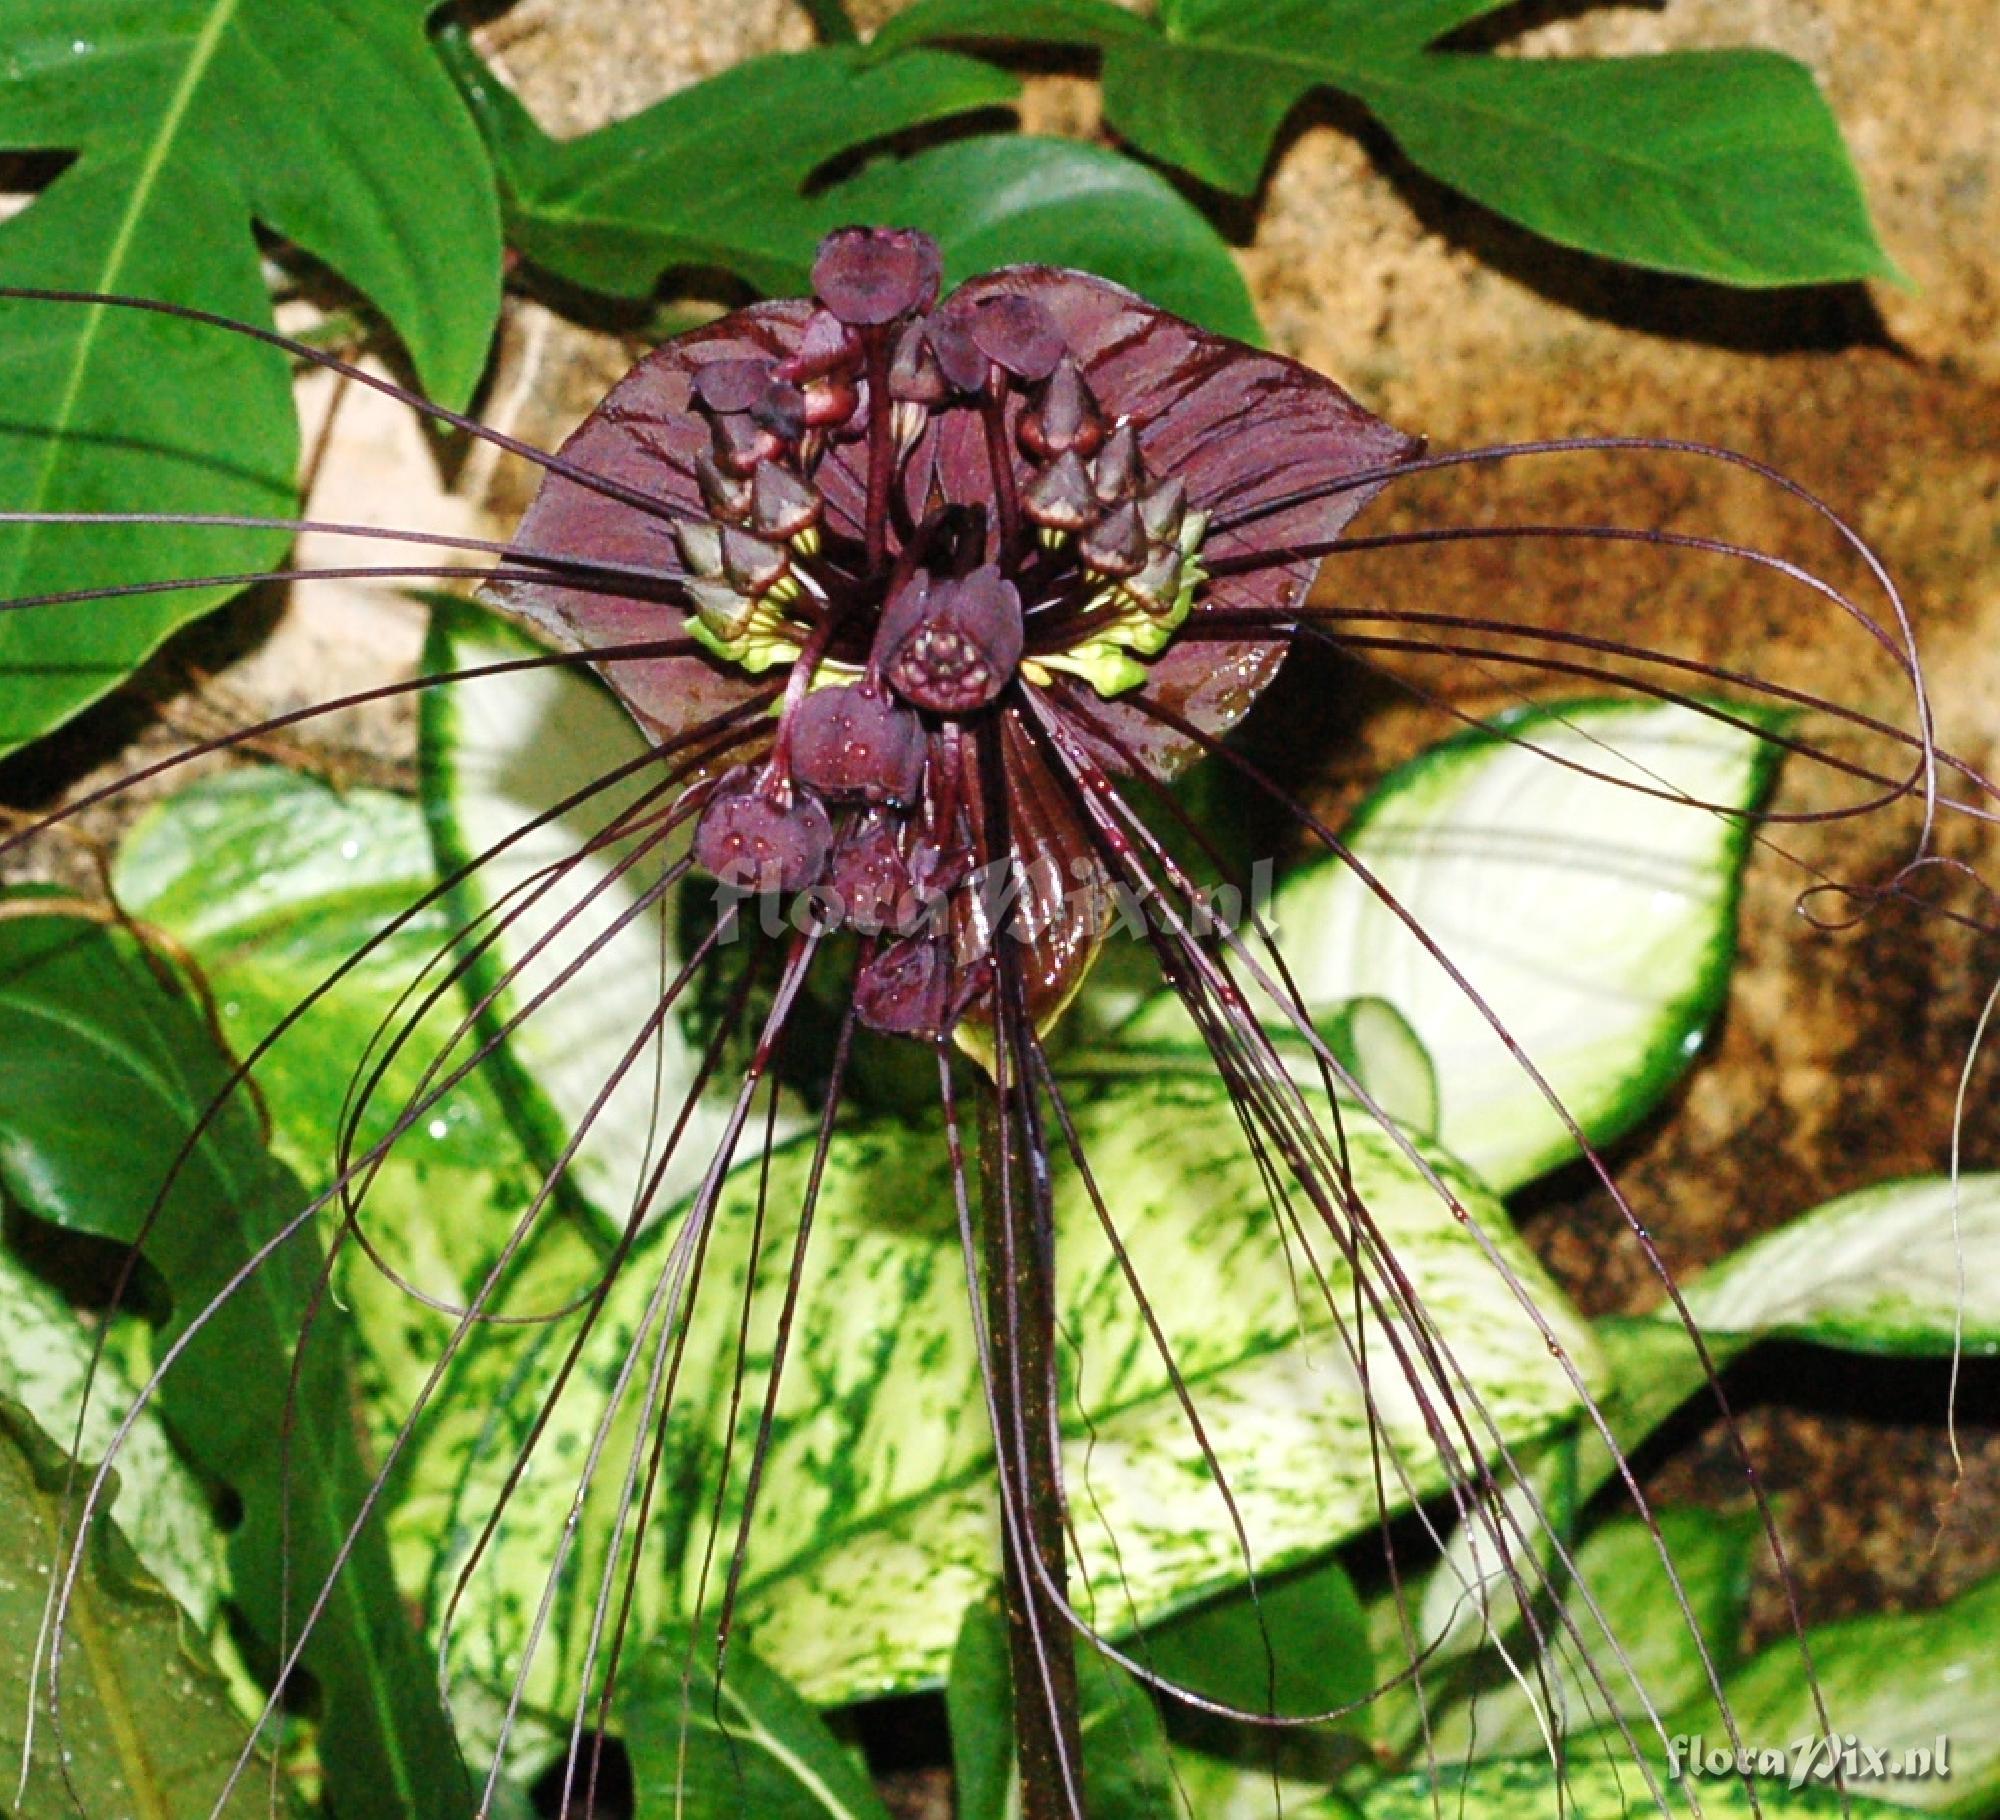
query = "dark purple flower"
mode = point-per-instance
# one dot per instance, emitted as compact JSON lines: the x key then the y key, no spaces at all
{"x":1044,"y":487}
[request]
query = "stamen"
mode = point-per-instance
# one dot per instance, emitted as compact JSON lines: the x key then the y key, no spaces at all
{"x":952,"y":646}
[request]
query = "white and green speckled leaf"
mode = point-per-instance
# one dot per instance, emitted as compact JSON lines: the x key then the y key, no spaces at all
{"x":1910,"y":1266}
{"x":45,"y":1356}
{"x":1898,"y":1682}
{"x":272,"y":881}
{"x":1597,"y":922}
{"x":876,"y":1526}
{"x":499,"y":752}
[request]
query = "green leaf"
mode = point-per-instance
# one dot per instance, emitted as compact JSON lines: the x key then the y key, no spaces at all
{"x":1126,"y":1773}
{"x":1897,"y":1683}
{"x":45,"y":1358}
{"x":286,"y":891}
{"x":272,"y":881}
{"x":1490,"y":1713}
{"x":1598,"y":923}
{"x":750,"y":1746}
{"x":1516,"y":1789}
{"x":146,"y":1724}
{"x":85,"y":1028}
{"x":878,"y":1507}
{"x":192,"y":119}
{"x":500,"y":753}
{"x":1910,"y":1267}
{"x":1004,"y":199}
{"x":715,"y":175}
{"x":1724,"y":165}
{"x":1080,"y":22}
{"x":1301,"y":1646}
{"x":830,"y":21}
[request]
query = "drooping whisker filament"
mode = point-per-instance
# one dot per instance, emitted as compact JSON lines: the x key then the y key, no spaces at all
{"x":1275,"y":1112}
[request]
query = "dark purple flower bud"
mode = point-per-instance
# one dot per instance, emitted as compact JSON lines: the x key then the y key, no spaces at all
{"x":1162,"y":507}
{"x":1114,"y":545}
{"x":829,"y":403}
{"x":752,"y":564}
{"x":752,"y":843}
{"x":781,"y":410}
{"x":826,"y":346}
{"x":700,"y":545}
{"x":905,"y":989}
{"x":871,"y":877}
{"x":1018,"y":334}
{"x":1118,"y":472}
{"x":959,"y":357}
{"x":1157,"y":586}
{"x":1065,"y":417}
{"x":780,"y":504}
{"x":954,"y":645}
{"x":732,"y":385}
{"x":1059,"y":498}
{"x":867,"y":276}
{"x":855,"y":742}
{"x":740,"y":444}
{"x":727,"y":496}
{"x":914,"y":374}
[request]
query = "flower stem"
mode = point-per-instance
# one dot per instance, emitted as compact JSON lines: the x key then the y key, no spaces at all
{"x":1017,"y":1240}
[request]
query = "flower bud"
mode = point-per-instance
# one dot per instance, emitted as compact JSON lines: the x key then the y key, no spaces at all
{"x":854,"y":742}
{"x":914,"y":374}
{"x":1059,"y":498}
{"x":1161,"y":509}
{"x":729,"y":386}
{"x":867,"y":276}
{"x":1117,"y":472}
{"x":826,"y":347}
{"x":1116,"y":543}
{"x":727,"y":496}
{"x":700,"y":546}
{"x":781,"y":505}
{"x":870,"y":875}
{"x":752,"y":564}
{"x":1065,"y":417}
{"x":1016,"y":333}
{"x":781,"y":409}
{"x":753,"y":843}
{"x":741,"y":444}
{"x":960,"y":358}
{"x":905,"y":989}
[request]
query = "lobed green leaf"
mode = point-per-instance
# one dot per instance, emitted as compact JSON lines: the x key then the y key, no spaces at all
{"x":192,"y":120}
